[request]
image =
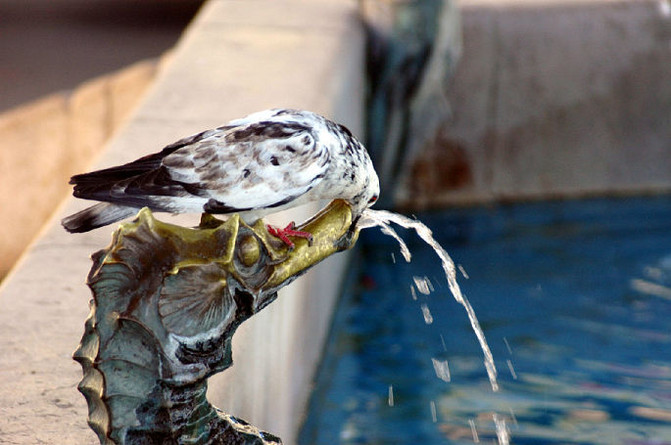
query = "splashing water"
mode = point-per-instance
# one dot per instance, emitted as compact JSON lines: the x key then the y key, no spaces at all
{"x":382,"y":219}
{"x":442,"y":369}
{"x":474,"y":431}
{"x":426,"y":313}
{"x":423,"y":285}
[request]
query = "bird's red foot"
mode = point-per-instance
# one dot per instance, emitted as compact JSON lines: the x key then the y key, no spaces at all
{"x":288,"y":231}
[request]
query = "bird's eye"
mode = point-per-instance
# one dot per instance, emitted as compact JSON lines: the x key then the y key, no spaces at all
{"x":372,"y":200}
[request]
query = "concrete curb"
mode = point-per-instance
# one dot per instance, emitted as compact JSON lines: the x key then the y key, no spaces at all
{"x":69,"y":129}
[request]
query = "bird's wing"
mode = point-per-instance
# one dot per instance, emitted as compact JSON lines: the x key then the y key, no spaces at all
{"x":233,"y":168}
{"x":135,"y":183}
{"x":260,"y":165}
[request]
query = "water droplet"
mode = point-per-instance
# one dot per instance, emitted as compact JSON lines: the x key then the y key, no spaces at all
{"x":463,"y":271}
{"x":390,"y":397}
{"x":442,"y":369}
{"x":512,"y":416}
{"x":510,"y":350}
{"x":414,"y":294}
{"x":474,"y":431}
{"x":512,"y":370}
{"x":423,"y":285}
{"x":434,"y":414}
{"x":501,"y":430}
{"x":428,"y":318}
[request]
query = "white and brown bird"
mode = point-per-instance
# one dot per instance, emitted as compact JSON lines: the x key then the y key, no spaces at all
{"x":263,"y":163}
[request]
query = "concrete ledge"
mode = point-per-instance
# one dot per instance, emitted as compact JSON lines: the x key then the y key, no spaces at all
{"x":234,"y":59}
{"x":554,"y":99}
{"x":43,"y":143}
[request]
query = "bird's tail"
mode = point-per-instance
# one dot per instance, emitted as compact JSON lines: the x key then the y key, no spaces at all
{"x":96,"y":216}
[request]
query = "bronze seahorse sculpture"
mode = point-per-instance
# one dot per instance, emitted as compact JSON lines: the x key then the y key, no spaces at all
{"x":166,"y":302}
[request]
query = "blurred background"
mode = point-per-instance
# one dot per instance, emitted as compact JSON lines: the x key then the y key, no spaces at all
{"x":70,"y":73}
{"x":48,"y":46}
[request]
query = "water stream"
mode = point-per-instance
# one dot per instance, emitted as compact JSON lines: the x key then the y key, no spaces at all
{"x":382,"y":219}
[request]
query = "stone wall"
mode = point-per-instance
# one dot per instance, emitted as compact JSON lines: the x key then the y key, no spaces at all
{"x":45,"y":142}
{"x":553,"y":99}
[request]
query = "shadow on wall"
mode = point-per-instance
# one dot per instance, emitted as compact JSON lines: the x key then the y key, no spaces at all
{"x":44,"y":143}
{"x":86,"y":40}
{"x":553,"y":99}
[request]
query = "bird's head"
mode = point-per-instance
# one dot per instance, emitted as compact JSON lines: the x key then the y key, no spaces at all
{"x":374,"y":186}
{"x":370,"y":192}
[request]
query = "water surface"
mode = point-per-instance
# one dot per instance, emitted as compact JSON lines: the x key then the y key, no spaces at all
{"x":574,"y":298}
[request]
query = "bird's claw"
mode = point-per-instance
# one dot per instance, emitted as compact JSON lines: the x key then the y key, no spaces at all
{"x":284,"y":234}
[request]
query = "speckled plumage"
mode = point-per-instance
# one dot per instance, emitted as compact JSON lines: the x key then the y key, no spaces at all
{"x":257,"y":165}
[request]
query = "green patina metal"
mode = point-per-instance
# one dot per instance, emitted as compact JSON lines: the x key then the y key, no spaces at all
{"x":166,"y":303}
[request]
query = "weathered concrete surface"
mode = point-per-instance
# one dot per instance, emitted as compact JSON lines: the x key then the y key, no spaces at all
{"x":554,"y":98}
{"x":236,"y":58}
{"x":67,"y":129}
{"x":55,"y":45}
{"x":412,"y":51}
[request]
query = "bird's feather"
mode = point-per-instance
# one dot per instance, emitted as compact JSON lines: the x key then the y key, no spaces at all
{"x":99,"y":215}
{"x":259,"y":164}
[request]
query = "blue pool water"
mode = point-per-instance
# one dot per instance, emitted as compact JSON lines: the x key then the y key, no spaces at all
{"x":574,"y":298}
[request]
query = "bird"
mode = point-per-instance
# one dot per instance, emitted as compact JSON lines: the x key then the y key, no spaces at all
{"x":257,"y":165}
